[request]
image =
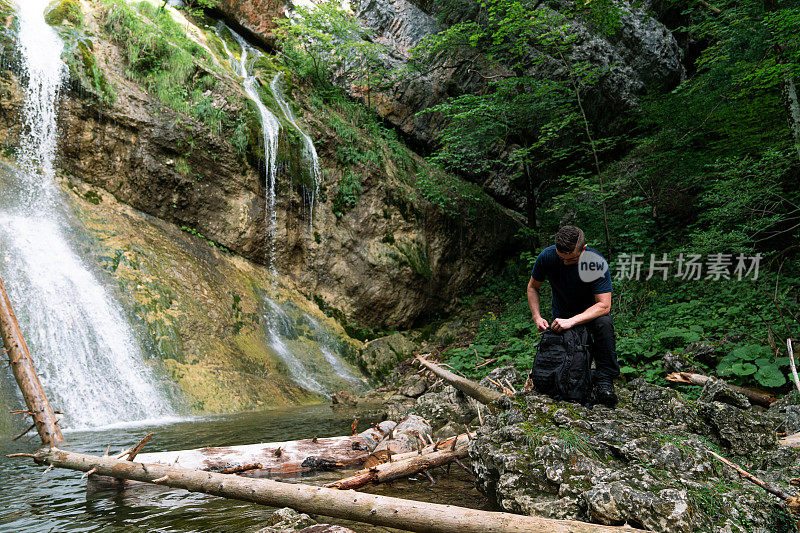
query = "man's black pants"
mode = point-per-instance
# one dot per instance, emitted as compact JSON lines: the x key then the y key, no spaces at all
{"x":603,"y":347}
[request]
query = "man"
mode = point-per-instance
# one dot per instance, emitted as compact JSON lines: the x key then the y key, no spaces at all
{"x":581,"y":283}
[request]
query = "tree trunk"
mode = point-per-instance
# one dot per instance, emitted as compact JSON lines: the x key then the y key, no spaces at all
{"x":483,"y":394}
{"x":282,"y":458}
{"x":279,"y":458}
{"x":367,"y":508}
{"x":24,"y":372}
{"x":790,"y":91}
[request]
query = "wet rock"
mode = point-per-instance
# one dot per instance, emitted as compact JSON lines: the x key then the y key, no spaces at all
{"x":702,"y":352}
{"x":716,"y":390}
{"x":449,"y":405}
{"x":414,"y":386}
{"x":448,"y":430}
{"x":791,"y":422}
{"x":616,"y":503}
{"x":343,"y":397}
{"x":286,"y":519}
{"x":259,"y":17}
{"x":409,"y":434}
{"x":660,"y":401}
{"x":397,"y":406}
{"x":379,"y":357}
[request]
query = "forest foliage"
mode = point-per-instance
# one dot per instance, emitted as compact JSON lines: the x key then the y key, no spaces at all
{"x":708,"y":167}
{"x":705,"y":169}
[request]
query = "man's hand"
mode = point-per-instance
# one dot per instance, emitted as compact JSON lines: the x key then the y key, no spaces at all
{"x":562,"y":324}
{"x":541,"y":323}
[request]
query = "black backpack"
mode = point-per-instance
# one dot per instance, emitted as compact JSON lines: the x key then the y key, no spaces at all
{"x":562,"y":366}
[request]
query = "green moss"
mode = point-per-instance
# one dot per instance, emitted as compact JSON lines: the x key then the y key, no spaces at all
{"x":93,"y":197}
{"x":84,"y":68}
{"x":64,"y":11}
{"x":414,"y":254}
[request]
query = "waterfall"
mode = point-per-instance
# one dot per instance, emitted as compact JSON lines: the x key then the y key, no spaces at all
{"x":87,"y":356}
{"x":309,"y":152}
{"x":308,"y":353}
{"x":270,"y":130}
{"x":40,"y":49}
{"x":289,"y":336}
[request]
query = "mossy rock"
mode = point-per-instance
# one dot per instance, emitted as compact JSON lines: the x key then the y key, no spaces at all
{"x":63,"y":12}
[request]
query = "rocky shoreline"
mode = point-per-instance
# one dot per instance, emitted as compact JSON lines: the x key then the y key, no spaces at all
{"x":644,"y":463}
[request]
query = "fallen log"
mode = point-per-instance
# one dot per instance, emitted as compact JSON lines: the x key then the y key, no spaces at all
{"x":276,"y":458}
{"x":367,"y":508}
{"x":44,"y":418}
{"x":279,"y":458}
{"x":401,"y":468}
{"x":472,"y":389}
{"x":756,"y":397}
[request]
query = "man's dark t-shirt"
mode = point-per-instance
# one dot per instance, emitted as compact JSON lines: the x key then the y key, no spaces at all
{"x":571,"y":295}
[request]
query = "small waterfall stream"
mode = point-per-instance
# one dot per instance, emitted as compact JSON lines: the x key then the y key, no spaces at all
{"x":313,"y":370}
{"x":309,"y":152}
{"x":85,"y":351}
{"x":270,"y":129}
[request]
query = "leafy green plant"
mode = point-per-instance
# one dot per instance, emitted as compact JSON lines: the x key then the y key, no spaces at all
{"x":752,"y":360}
{"x":347,"y":194}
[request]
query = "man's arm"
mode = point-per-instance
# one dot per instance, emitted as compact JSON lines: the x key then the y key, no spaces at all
{"x":601,"y":307}
{"x":533,"y":302}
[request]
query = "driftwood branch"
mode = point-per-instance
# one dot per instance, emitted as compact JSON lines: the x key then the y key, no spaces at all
{"x":367,"y":508}
{"x":25,"y":373}
{"x":136,"y":449}
{"x":791,"y":502}
{"x":403,"y":465}
{"x":756,"y":397}
{"x":472,"y":389}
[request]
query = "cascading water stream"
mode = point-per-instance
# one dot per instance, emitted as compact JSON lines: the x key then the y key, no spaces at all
{"x":310,"y":375}
{"x":270,"y":130}
{"x":310,"y":153}
{"x":88,"y":358}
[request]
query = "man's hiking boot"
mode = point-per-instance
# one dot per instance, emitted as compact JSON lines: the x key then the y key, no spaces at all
{"x":604,"y":392}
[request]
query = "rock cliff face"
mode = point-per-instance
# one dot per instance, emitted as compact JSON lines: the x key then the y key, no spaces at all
{"x":256,"y":16}
{"x":384,"y":262}
{"x":641,"y":56}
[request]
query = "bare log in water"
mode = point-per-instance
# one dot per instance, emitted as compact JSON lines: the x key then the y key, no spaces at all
{"x":472,"y":389}
{"x":25,"y":373}
{"x":279,"y":458}
{"x":349,"y":505}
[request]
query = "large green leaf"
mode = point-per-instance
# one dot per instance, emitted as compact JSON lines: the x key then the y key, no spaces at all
{"x":770,"y":376}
